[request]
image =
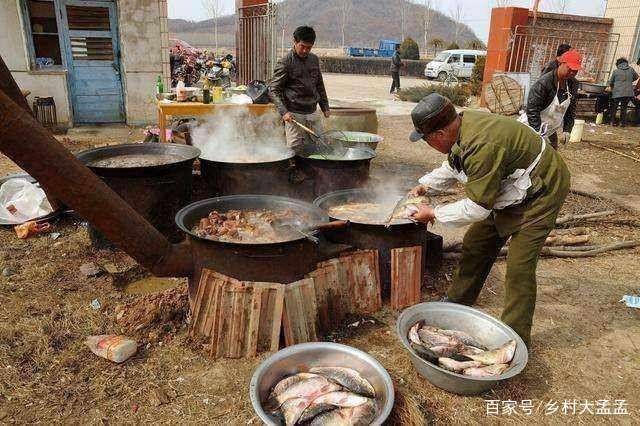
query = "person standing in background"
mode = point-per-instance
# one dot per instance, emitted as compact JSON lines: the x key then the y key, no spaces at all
{"x":622,"y":90}
{"x":551,"y":106}
{"x":396,"y":66}
{"x":297,"y":88}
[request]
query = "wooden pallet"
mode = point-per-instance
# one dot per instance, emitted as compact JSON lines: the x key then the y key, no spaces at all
{"x":363,"y":281}
{"x":242,"y":319}
{"x":406,"y":276}
{"x":332,"y":296}
{"x":299,"y":320}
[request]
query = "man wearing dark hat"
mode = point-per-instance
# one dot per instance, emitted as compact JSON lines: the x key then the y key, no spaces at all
{"x":515,"y":185}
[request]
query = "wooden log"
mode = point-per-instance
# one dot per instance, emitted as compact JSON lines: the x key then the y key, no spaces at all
{"x":406,"y":276}
{"x":572,"y":218}
{"x":300,"y":313}
{"x":570,"y":231}
{"x":567,"y":240}
{"x":591,"y":253}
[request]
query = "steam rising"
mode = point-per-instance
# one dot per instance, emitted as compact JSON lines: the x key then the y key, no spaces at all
{"x":235,"y":135}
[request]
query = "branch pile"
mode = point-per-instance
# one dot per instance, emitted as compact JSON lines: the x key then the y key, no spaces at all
{"x":570,"y":242}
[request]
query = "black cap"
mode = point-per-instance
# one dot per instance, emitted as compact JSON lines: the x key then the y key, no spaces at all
{"x":433,"y":112}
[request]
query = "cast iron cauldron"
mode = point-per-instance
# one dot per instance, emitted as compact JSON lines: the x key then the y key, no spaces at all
{"x":155,"y":179}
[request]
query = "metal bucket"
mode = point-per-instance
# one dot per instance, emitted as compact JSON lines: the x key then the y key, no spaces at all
{"x":298,"y":358}
{"x":488,"y":330}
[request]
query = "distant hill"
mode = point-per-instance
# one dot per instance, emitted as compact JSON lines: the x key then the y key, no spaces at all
{"x":371,"y":21}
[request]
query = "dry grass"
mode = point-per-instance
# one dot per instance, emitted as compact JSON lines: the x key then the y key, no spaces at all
{"x":585,"y":344}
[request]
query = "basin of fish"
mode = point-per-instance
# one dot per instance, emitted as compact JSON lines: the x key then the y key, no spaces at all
{"x":459,"y":352}
{"x":323,"y":396}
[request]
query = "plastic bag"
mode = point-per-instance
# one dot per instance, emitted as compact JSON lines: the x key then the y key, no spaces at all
{"x":240,"y":100}
{"x":258,"y":91}
{"x":114,"y":348}
{"x":21,"y":201}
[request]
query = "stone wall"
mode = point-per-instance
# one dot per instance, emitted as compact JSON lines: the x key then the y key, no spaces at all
{"x":144,"y":42}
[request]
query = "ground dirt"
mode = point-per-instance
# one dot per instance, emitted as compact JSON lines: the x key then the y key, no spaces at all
{"x":586,"y":345}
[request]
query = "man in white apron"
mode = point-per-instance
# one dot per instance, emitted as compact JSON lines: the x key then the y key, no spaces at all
{"x":515,"y":185}
{"x":551,"y":106}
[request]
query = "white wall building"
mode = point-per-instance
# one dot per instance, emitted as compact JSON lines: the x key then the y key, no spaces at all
{"x":626,"y":22}
{"x":99,"y":60}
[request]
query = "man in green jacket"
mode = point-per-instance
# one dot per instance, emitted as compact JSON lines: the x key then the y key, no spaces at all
{"x":515,"y":185}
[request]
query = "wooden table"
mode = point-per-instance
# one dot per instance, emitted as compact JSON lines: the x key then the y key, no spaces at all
{"x":166,"y":109}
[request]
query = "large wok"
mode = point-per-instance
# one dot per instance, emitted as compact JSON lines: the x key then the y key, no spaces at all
{"x":373,"y":234}
{"x":285,"y":261}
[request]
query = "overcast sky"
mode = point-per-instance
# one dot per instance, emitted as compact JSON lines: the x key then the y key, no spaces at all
{"x":476,"y":12}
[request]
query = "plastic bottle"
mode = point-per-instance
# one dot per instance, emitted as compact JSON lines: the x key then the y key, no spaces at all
{"x":181,"y":95}
{"x":114,"y":348}
{"x":159,"y":85}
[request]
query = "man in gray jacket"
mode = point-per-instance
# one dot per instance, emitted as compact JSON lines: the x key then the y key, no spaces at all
{"x":396,"y":65}
{"x":297,"y":89}
{"x":622,"y":90}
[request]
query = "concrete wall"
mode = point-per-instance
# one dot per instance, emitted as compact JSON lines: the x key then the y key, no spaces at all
{"x":144,"y":42}
{"x":626,"y":22}
{"x":14,"y":53}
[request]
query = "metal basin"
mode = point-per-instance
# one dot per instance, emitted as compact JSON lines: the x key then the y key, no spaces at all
{"x":298,"y":358}
{"x":349,"y":139}
{"x":488,"y":330}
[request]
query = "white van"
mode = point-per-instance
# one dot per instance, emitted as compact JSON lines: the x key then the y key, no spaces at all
{"x":460,"y":62}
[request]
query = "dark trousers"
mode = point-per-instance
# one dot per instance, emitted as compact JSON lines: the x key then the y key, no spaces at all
{"x":395,"y":85}
{"x":636,"y":103}
{"x":623,"y":103}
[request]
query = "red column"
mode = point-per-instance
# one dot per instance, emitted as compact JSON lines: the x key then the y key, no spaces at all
{"x":503,"y":21}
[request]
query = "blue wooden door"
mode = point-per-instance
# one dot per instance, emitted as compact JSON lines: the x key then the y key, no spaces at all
{"x":93,"y":61}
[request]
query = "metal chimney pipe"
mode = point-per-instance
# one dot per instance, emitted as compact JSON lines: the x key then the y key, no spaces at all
{"x":35,"y":150}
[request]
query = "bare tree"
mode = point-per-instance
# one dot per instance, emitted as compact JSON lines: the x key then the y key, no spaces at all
{"x":345,"y":14}
{"x":214,"y":9}
{"x":426,"y":19}
{"x":457,"y":14}
{"x":283,"y":20}
{"x":403,"y":5}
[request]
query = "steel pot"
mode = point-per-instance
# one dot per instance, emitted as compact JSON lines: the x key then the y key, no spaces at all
{"x":488,"y":330}
{"x":298,"y":358}
{"x":349,"y":139}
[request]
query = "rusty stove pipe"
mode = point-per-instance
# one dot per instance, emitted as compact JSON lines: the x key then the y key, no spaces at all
{"x":35,"y":150}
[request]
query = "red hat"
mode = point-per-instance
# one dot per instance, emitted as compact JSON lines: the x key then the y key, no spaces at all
{"x":573,"y":59}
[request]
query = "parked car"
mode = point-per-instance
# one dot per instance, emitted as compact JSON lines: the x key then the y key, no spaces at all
{"x":458,"y":62}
